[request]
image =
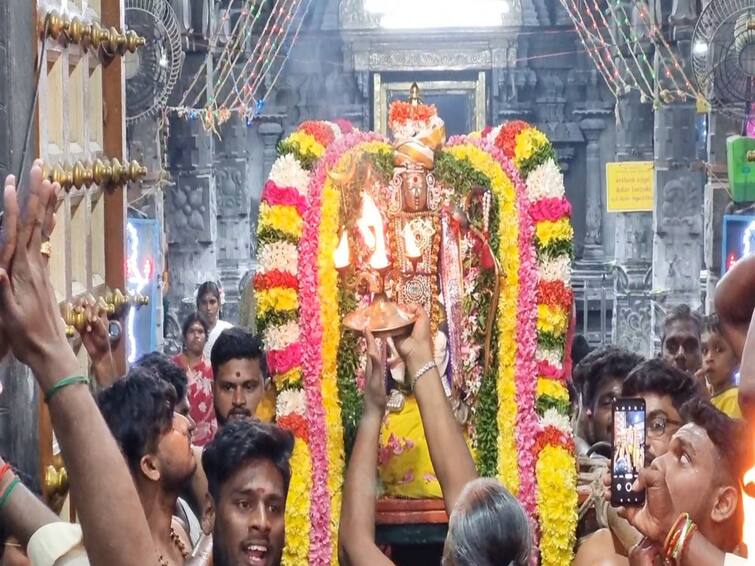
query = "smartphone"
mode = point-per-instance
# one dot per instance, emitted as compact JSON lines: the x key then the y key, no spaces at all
{"x":628,"y":451}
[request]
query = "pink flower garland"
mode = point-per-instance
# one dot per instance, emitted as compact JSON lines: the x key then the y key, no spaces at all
{"x":550,"y":209}
{"x":283,"y":196}
{"x":281,"y":361}
{"x":320,"y":549}
{"x":528,"y":424}
{"x":526,"y":337}
{"x":545,"y":369}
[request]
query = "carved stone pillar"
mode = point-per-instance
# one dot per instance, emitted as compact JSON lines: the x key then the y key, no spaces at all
{"x":234,"y":207}
{"x":678,"y":210}
{"x":190,"y":207}
{"x":270,"y":132}
{"x":632,"y":318}
{"x":592,"y":126}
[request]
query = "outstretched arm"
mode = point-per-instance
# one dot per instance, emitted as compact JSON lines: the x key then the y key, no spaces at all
{"x":735,"y":302}
{"x":356,"y":533}
{"x":99,"y":478}
{"x":449,"y":452}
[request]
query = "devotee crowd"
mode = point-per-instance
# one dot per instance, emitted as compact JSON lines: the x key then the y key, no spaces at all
{"x":173,"y":463}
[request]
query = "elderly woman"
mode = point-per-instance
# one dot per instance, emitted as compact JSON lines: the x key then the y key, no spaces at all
{"x":487,"y":525}
{"x":199,"y":378}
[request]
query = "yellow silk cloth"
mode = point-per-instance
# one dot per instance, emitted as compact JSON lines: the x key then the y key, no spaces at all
{"x":404,"y":465}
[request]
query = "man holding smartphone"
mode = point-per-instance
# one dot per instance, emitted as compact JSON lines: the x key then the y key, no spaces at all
{"x":693,"y":511}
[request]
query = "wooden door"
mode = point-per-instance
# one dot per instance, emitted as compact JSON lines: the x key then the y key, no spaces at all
{"x":81,"y":119}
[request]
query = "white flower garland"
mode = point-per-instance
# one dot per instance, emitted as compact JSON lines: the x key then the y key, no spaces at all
{"x":555,"y":269}
{"x":290,"y":402}
{"x":553,"y":418}
{"x":280,"y":337}
{"x":545,"y":182}
{"x":288,"y":172}
{"x":282,"y":256}
{"x":553,"y":357}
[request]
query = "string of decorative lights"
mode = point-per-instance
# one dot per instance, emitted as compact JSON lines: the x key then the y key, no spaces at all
{"x":212,"y":44}
{"x":656,"y":32}
{"x":605,"y":46}
{"x":623,"y":24}
{"x":576,"y":17}
{"x":232,"y":48}
{"x":288,"y":53}
{"x":271,"y":60}
{"x":653,"y":31}
{"x":258,"y":62}
{"x":248,"y":30}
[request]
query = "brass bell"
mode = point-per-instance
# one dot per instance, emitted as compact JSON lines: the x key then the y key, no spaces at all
{"x":103,"y":306}
{"x":82,"y":175}
{"x":98,"y":35}
{"x":118,"y":301}
{"x":133,"y":41}
{"x":60,"y":174}
{"x":77,"y":31}
{"x":102,"y":172}
{"x":135,"y":171}
{"x":138,"y":300}
{"x":56,"y":24}
{"x":56,"y":479}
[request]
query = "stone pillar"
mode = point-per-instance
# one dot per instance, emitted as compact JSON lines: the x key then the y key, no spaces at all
{"x":271,"y":134}
{"x":234,"y":206}
{"x":678,"y":207}
{"x":190,"y":207}
{"x":632,"y":319}
{"x":592,"y":126}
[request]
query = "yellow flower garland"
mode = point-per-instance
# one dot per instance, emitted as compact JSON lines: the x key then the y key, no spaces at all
{"x":282,"y":218}
{"x":528,"y":142}
{"x":552,"y":319}
{"x":307,"y":144}
{"x":548,"y":231}
{"x":276,"y":299}
{"x":552,"y":388}
{"x":296,"y":551}
{"x":556,"y":472}
{"x":508,"y":254}
{"x":328,"y":294}
{"x":287,"y":379}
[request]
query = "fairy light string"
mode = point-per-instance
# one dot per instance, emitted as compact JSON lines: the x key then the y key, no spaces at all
{"x":280,"y":41}
{"x":623,"y":23}
{"x":233,"y":49}
{"x":257,"y":62}
{"x":248,"y":29}
{"x":203,"y":67}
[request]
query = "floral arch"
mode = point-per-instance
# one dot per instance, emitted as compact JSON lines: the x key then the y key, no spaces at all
{"x":519,"y":427}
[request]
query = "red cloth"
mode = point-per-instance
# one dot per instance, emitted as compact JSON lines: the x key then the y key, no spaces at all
{"x":199,"y":396}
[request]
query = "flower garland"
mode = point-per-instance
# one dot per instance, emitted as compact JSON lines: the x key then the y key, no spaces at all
{"x":554,"y":448}
{"x":508,"y":241}
{"x":319,"y":295}
{"x":276,"y":283}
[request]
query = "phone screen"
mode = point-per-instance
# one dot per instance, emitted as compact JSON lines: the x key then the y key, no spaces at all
{"x":628,"y":455}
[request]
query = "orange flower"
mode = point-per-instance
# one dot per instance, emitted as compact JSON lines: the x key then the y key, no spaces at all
{"x":404,"y":111}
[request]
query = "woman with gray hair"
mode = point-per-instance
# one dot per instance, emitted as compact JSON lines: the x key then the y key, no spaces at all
{"x":487,"y":525}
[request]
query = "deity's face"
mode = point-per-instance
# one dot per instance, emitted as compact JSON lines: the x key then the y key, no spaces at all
{"x":414,"y":190}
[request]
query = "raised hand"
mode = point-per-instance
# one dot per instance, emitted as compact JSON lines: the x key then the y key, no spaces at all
{"x":374,"y":392}
{"x":417,"y":348}
{"x":38,"y":333}
{"x":657,"y":516}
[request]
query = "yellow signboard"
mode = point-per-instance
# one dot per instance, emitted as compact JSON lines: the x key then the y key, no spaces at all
{"x":629,"y":186}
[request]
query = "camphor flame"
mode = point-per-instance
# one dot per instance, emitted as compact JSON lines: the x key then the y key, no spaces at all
{"x":341,"y":255}
{"x":371,"y":227}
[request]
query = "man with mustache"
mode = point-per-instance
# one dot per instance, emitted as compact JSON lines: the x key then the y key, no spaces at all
{"x":238,"y":363}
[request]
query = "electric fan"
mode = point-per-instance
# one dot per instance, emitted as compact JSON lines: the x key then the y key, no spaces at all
{"x":151,"y":72}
